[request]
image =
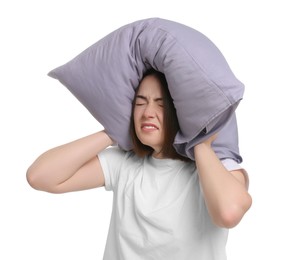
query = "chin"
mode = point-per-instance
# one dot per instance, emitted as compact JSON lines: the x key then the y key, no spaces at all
{"x":153,"y":145}
{"x":149,"y":140}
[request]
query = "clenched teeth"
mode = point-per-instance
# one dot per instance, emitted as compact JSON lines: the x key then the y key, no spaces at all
{"x":149,"y":127}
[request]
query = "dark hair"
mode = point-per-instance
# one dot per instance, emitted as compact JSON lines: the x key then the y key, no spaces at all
{"x":170,"y":122}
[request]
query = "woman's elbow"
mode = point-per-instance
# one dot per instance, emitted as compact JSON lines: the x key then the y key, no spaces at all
{"x":37,"y":179}
{"x":231,"y":216}
{"x":32,"y":178}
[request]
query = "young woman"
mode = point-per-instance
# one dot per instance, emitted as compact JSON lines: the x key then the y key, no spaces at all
{"x":165,"y":206}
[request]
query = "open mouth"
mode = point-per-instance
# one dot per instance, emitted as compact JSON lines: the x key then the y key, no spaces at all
{"x":149,"y":126}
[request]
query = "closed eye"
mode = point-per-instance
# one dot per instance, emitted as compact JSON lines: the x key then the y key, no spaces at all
{"x":141,"y":100}
{"x":159,"y":101}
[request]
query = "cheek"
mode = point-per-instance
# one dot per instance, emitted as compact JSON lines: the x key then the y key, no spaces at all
{"x":135,"y":118}
{"x":160,"y":114}
{"x":137,"y":115}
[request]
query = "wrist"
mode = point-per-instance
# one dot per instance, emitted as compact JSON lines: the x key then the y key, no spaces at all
{"x":203,"y":152}
{"x":208,"y":142}
{"x":201,"y":146}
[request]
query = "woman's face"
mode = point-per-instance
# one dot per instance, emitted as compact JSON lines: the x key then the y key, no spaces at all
{"x":149,"y":114}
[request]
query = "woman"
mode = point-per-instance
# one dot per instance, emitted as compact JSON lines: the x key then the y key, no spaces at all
{"x":165,"y":206}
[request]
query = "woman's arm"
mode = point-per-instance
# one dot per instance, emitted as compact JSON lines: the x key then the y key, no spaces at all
{"x":225,"y":192}
{"x":70,"y":167}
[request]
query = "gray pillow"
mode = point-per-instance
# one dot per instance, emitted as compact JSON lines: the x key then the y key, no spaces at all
{"x":204,"y":89}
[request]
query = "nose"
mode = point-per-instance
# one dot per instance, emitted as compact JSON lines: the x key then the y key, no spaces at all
{"x":149,"y":111}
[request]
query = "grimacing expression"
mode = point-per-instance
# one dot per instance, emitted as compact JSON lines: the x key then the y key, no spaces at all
{"x":149,"y":114}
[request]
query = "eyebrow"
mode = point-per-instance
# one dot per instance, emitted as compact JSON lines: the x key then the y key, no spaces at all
{"x":146,"y":99}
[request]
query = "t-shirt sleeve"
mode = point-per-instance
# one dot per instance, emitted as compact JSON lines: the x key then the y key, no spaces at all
{"x":232,"y":165}
{"x":111,"y":160}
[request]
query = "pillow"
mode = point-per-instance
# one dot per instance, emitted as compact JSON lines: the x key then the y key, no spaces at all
{"x":204,"y":89}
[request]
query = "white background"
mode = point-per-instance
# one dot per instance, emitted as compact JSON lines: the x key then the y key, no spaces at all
{"x":37,"y":113}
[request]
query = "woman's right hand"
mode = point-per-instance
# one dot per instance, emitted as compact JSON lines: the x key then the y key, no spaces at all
{"x":70,"y":167}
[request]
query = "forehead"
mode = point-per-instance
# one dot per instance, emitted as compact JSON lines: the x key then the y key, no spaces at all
{"x":150,"y":86}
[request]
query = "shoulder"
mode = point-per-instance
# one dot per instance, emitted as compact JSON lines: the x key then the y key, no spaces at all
{"x":112,"y":151}
{"x":118,"y":165}
{"x":115,"y":153}
{"x":117,"y":157}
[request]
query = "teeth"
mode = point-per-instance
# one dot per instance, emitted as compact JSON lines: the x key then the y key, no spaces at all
{"x":149,"y":127}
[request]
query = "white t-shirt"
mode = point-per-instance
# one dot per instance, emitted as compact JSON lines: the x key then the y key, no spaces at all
{"x":158,"y":210}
